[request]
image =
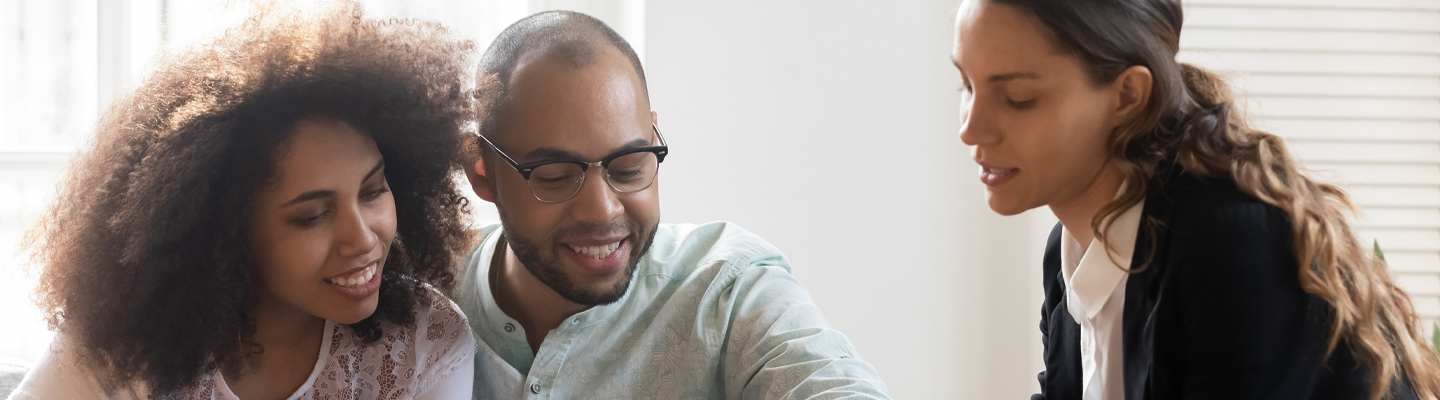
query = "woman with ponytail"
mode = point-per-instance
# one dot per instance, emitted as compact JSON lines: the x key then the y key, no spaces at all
{"x":1193,"y":259}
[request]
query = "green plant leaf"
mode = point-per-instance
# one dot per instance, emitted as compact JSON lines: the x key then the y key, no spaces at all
{"x":1436,"y":338}
{"x":1379,"y":255}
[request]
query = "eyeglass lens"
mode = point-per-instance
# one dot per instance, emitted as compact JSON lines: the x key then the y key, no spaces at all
{"x":560,"y":181}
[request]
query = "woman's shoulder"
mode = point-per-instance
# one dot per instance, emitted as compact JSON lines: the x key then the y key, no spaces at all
{"x":1217,"y":235}
{"x":1207,"y":206}
{"x":438,"y":325}
{"x":406,"y":358}
{"x":441,"y":323}
{"x":63,"y":374}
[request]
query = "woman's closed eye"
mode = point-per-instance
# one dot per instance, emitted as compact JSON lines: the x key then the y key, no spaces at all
{"x":1021,"y":104}
{"x":311,"y":219}
{"x":314,"y":218}
{"x":372,"y":195}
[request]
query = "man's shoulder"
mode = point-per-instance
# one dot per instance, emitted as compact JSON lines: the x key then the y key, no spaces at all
{"x":682,"y":249}
{"x":481,"y":233}
{"x":485,"y":229}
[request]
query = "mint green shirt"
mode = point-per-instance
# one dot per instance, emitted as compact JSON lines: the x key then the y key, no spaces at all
{"x":712,"y":313}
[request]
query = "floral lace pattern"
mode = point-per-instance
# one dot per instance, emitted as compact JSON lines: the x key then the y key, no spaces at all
{"x":419,"y":361}
{"x":404,"y":362}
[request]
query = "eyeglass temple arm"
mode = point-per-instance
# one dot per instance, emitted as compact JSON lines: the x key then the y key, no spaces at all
{"x":657,"y":134}
{"x":498,"y":151}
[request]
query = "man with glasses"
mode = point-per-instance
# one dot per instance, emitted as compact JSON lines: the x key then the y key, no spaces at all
{"x":580,"y":292}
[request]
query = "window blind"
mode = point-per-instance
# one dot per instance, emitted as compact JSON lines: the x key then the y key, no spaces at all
{"x":1354,"y":88}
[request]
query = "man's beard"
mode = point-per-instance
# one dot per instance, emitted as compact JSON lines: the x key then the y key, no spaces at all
{"x":545,"y":266}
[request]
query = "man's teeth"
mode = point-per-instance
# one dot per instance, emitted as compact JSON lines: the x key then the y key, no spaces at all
{"x":598,"y":252}
{"x":355,"y":279}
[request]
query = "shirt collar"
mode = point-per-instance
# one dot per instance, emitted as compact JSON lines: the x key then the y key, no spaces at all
{"x":1096,"y":275}
{"x":511,"y":346}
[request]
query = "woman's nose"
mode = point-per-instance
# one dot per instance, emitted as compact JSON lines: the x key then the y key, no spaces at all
{"x":352,"y":234}
{"x":974,"y":125}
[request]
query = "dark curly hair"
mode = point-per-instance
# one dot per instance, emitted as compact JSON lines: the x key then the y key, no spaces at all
{"x":147,"y":268}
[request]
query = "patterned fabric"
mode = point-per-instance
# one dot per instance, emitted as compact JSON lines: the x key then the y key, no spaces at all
{"x":712,"y":313}
{"x":433,"y":359}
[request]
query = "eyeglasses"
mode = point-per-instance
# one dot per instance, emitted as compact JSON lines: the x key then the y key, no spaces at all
{"x":557,"y":180}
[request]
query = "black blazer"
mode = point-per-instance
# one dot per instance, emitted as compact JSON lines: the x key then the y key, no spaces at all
{"x":1217,"y":314}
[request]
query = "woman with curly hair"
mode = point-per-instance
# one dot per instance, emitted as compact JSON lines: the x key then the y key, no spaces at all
{"x":1194,"y":259}
{"x":271,"y":215}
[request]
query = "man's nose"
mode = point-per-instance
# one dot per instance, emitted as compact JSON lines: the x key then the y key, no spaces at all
{"x":596,"y":202}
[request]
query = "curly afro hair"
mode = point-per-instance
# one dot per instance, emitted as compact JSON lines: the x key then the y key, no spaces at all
{"x":146,"y":264}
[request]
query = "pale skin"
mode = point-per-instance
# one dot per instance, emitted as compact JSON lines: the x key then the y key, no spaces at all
{"x":1034,"y":119}
{"x":587,"y":112}
{"x":328,"y":213}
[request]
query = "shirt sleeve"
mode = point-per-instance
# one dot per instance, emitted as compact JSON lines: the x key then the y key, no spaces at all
{"x":780,"y":347}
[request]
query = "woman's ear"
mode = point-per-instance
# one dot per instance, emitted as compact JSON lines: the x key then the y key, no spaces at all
{"x":1133,"y":90}
{"x":474,"y":165}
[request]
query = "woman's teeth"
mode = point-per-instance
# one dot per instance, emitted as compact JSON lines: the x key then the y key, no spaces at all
{"x":598,"y":252}
{"x":355,"y":279}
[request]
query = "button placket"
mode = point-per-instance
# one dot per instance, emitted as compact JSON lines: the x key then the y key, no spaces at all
{"x":547,"y":363}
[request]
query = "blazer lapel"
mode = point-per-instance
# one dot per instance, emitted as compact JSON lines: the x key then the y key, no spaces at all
{"x":1063,"y":374}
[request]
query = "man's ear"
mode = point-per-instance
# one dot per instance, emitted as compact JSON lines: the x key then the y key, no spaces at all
{"x":1133,"y":90}
{"x":474,"y":165}
{"x":654,"y":117}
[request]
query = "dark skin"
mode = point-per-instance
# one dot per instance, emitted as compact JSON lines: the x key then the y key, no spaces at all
{"x":288,"y":359}
{"x":329,"y":214}
{"x":584,"y":113}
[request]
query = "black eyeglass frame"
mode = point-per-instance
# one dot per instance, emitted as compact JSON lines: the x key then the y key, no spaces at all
{"x":527,"y":168}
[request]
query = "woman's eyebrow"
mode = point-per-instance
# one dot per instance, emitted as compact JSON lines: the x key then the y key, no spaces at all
{"x":319,"y":194}
{"x":372,"y":172}
{"x":1006,"y":77}
{"x":310,"y":195}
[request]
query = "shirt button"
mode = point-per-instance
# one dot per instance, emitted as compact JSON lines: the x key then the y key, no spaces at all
{"x":509,"y":327}
{"x":535,"y":388}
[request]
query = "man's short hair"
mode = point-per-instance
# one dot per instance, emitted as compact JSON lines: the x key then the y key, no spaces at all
{"x":573,"y":38}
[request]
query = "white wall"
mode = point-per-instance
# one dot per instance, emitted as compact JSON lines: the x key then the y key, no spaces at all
{"x":831,"y":131}
{"x":829,"y":128}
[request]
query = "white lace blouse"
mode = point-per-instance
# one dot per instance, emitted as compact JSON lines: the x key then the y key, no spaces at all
{"x":432,"y":360}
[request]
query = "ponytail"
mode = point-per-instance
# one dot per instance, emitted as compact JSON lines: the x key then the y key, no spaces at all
{"x":1371,"y":314}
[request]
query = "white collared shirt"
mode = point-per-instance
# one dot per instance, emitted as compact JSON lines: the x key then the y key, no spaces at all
{"x":1095,"y":294}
